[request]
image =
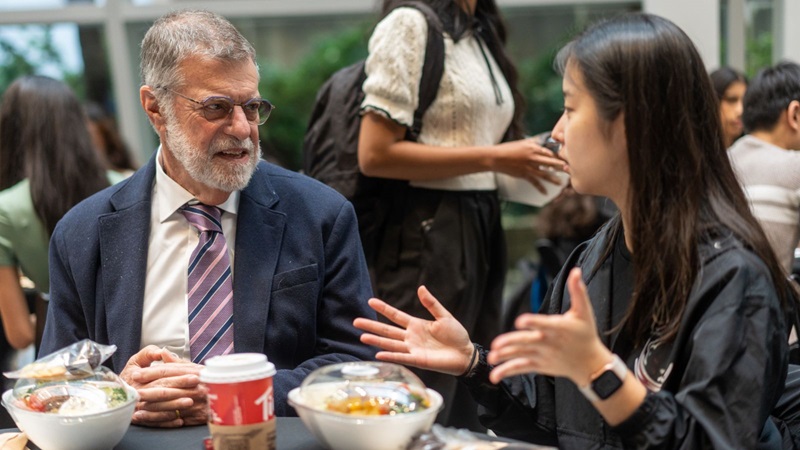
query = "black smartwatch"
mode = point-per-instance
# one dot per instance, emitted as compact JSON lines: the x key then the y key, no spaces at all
{"x":606,"y":381}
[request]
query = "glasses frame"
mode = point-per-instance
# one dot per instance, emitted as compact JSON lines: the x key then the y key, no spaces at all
{"x":261,"y":119}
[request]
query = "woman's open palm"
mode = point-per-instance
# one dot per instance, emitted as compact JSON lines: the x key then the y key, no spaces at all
{"x":441,"y":344}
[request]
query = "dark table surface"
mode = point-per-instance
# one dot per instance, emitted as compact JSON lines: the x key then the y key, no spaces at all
{"x":291,"y":435}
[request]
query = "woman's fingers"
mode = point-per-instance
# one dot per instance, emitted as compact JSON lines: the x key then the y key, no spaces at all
{"x":550,"y":177}
{"x":379,"y":328}
{"x":518,"y":366}
{"x":528,"y":344}
{"x":550,"y":161}
{"x":405,"y":359}
{"x":580,"y":306}
{"x":391,"y":345}
{"x":432,"y":304}
{"x":521,"y":337}
{"x":390,"y":312}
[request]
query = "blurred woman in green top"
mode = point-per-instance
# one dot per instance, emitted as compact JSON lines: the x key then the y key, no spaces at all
{"x":47,"y":165}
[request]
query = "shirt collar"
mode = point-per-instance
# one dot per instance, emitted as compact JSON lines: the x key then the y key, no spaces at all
{"x":172,"y":196}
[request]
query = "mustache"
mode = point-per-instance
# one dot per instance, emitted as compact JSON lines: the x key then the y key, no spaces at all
{"x":231,"y":142}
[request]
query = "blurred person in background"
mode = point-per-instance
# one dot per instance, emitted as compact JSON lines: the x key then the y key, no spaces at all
{"x":730,"y":86}
{"x":47,"y":165}
{"x":448,"y":235}
{"x":108,"y":141}
{"x":767,"y":158}
{"x":668,"y":329}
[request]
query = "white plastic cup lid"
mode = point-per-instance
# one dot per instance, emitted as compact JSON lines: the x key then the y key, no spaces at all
{"x":236,"y":367}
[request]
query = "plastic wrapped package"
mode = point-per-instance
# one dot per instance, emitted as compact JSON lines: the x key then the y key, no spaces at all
{"x":71,"y":382}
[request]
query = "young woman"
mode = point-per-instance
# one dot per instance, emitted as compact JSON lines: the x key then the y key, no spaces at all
{"x":47,"y":165}
{"x":665,"y":330}
{"x":730,"y":87}
{"x":448,"y":235}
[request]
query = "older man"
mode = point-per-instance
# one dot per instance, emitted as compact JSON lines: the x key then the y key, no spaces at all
{"x":207,"y":250}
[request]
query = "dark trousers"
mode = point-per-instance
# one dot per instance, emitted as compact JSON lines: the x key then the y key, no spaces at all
{"x":453,"y":243}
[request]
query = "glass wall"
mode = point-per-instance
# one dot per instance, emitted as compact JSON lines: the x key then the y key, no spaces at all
{"x":759,"y":35}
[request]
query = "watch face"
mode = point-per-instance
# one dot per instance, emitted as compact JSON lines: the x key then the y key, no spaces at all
{"x":606,"y":384}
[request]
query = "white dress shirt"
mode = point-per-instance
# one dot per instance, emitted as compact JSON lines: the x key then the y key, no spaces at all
{"x":165,"y":318}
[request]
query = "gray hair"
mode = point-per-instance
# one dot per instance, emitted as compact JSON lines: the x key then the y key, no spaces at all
{"x":179,"y":35}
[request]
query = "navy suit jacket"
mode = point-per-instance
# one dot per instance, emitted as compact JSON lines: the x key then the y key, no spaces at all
{"x":299,"y":275}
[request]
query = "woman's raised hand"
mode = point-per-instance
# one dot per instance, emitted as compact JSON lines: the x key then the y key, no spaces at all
{"x":526,"y":158}
{"x":564,"y":345}
{"x":442,"y":344}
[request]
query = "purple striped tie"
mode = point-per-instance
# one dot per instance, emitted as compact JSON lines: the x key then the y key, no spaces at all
{"x":210,"y":290}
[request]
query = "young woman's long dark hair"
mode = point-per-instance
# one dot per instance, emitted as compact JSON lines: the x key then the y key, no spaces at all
{"x":682,"y":187}
{"x":489,"y":25}
{"x":44,"y":138}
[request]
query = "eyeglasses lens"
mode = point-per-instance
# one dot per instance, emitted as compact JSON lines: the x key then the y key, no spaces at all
{"x":255,"y":110}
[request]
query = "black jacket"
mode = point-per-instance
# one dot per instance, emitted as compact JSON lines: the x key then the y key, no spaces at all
{"x":729,"y":363}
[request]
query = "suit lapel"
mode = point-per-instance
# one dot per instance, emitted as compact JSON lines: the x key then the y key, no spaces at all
{"x":123,"y":253}
{"x":259,"y":233}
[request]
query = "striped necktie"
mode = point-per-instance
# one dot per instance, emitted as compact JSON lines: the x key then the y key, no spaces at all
{"x":210,"y":290}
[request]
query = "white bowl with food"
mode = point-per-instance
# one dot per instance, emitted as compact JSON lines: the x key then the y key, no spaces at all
{"x":365,"y":406}
{"x":73,"y":416}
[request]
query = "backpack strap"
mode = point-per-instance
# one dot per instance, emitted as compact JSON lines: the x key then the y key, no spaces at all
{"x":432,"y":68}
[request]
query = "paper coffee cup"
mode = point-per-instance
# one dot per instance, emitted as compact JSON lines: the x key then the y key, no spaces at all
{"x":240,"y":401}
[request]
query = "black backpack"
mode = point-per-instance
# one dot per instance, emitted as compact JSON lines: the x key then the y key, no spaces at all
{"x":330,"y":146}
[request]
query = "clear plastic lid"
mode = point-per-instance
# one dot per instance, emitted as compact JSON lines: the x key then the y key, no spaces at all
{"x":70,"y":382}
{"x":364,"y":388}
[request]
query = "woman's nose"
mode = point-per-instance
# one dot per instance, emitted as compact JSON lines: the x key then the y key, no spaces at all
{"x":558,"y":130}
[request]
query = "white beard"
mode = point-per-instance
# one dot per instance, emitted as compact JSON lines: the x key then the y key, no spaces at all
{"x":204,"y":168}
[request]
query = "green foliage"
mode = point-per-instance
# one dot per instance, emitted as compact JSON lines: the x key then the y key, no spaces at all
{"x":293,"y":92}
{"x":13,"y":64}
{"x":541,"y":87}
{"x":759,"y":53}
{"x":28,"y":58}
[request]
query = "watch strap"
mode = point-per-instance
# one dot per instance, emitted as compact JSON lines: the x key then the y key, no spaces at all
{"x":615,"y":366}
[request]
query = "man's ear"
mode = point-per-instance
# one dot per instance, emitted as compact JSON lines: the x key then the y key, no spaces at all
{"x":152,"y":108}
{"x":793,"y":116}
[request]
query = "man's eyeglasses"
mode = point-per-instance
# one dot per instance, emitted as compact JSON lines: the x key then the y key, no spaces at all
{"x":214,"y":108}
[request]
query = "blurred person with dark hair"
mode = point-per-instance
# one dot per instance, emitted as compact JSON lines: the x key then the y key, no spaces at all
{"x":730,"y":86}
{"x":108,"y":141}
{"x":572,"y":218}
{"x":47,"y":165}
{"x":767,"y":160}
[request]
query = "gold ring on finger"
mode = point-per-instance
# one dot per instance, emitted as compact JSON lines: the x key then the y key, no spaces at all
{"x":177,"y":413}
